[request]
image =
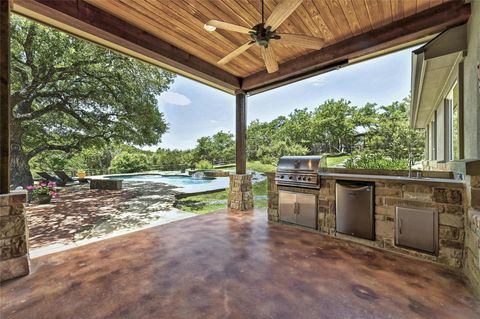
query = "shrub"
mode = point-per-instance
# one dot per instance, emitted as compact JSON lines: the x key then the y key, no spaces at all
{"x":375,"y":161}
{"x":129,"y":163}
{"x":203,"y":164}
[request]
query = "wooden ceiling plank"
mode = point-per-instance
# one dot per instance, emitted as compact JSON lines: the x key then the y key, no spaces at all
{"x":349,"y":12}
{"x":339,"y":15}
{"x":386,"y":10}
{"x":374,"y":13}
{"x":144,"y":10}
{"x":318,"y":21}
{"x":411,"y":28}
{"x":397,"y":9}
{"x":90,"y":22}
{"x":409,"y":8}
{"x":434,"y":3}
{"x":327,"y":16}
{"x":362,"y":14}
{"x":422,"y":5}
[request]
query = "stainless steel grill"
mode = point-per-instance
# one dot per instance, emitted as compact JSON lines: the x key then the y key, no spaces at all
{"x":299,"y":171}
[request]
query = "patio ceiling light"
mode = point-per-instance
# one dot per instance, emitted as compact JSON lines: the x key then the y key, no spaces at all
{"x":209,"y":28}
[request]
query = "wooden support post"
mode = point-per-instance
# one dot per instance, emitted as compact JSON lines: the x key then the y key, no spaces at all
{"x":4,"y":96}
{"x":241,"y":132}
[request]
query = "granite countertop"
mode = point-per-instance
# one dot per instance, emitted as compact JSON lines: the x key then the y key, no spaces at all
{"x":379,"y":178}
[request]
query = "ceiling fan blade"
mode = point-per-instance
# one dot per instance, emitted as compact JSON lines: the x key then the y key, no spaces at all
{"x":226,"y":26}
{"x":281,"y":12}
{"x":301,"y":41}
{"x":269,"y":58}
{"x":235,"y":53}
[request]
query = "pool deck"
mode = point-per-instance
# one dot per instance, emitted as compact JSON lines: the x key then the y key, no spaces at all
{"x":234,"y":265}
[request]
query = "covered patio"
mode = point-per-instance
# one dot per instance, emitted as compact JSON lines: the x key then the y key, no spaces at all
{"x":234,"y":265}
{"x":238,"y":263}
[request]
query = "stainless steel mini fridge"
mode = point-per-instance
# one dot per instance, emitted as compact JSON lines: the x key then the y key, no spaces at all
{"x":355,"y":209}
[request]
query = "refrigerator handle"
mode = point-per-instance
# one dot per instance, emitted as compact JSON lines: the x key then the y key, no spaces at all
{"x":400,"y":226}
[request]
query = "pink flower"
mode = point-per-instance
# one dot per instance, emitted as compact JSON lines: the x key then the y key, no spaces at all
{"x":52,"y":184}
{"x":30,"y":187}
{"x":43,"y":184}
{"x":53,"y":194}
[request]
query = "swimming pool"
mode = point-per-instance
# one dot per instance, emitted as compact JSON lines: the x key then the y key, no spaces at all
{"x":184,"y":183}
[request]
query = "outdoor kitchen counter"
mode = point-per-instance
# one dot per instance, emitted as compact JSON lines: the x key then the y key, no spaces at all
{"x":389,"y":178}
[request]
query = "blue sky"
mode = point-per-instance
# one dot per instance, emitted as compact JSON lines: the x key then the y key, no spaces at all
{"x":194,"y":110}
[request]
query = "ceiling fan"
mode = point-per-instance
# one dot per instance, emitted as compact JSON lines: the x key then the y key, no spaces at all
{"x":266,"y":31}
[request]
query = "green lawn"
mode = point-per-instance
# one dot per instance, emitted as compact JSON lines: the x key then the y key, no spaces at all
{"x":207,"y":203}
{"x":333,"y":161}
{"x":256,"y":166}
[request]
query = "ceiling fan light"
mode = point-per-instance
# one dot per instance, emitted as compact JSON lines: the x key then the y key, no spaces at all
{"x":209,"y":28}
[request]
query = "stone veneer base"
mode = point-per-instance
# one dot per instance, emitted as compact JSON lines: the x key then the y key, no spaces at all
{"x":14,"y":268}
{"x":14,"y":259}
{"x":240,"y":192}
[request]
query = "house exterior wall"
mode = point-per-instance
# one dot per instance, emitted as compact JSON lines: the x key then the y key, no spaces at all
{"x":471,"y":99}
{"x":471,"y":85}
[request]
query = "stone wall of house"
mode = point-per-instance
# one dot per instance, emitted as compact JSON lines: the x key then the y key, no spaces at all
{"x":446,"y":198}
{"x":14,"y":260}
{"x":472,"y":232}
{"x":240,"y":192}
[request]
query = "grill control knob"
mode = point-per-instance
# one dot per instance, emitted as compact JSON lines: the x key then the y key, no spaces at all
{"x":309,"y":179}
{"x":290,"y":177}
{"x":281,"y":176}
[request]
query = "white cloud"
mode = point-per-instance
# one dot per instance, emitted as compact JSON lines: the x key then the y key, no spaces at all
{"x":320,"y":80}
{"x":175,"y":98}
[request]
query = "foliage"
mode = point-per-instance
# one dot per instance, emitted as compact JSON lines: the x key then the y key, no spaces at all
{"x":67,"y":93}
{"x":218,"y":148}
{"x":375,"y":161}
{"x":338,"y":127}
{"x":129,"y":163}
{"x":393,"y":137}
{"x":204,"y":164}
{"x":43,"y":188}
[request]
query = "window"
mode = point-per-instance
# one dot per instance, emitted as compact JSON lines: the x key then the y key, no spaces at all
{"x":452,"y":131}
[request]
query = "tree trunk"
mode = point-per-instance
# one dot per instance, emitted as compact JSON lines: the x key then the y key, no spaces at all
{"x":20,"y":174}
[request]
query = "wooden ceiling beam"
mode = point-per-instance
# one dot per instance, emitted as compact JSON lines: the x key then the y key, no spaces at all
{"x":414,"y":27}
{"x":87,"y":21}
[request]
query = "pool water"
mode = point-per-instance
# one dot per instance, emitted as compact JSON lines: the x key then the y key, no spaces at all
{"x":176,"y":180}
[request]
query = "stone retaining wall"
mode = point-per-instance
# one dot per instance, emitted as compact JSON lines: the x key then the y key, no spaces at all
{"x":240,"y":192}
{"x":447,"y":199}
{"x":14,"y":260}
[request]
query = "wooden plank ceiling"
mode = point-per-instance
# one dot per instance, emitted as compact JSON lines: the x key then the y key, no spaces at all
{"x":181,"y":22}
{"x":171,"y":33}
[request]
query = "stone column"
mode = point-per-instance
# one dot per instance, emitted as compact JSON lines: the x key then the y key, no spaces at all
{"x":272,"y":209}
{"x":240,"y":194}
{"x":14,"y":259}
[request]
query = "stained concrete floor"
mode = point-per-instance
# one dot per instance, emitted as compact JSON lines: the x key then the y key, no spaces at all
{"x":234,"y":265}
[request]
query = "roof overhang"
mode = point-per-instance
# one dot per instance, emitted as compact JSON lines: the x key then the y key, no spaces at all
{"x":81,"y":18}
{"x":432,"y":65}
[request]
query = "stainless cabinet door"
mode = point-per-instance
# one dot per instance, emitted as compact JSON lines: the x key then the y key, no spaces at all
{"x":307,"y":210}
{"x":286,"y":207}
{"x":416,"y":228}
{"x":355,"y":210}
